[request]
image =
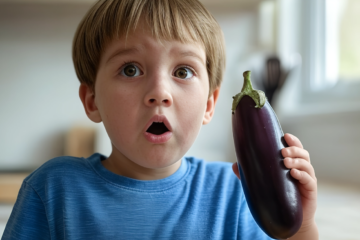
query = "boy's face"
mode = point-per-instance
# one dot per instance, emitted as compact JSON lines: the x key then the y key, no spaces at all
{"x":141,"y":80}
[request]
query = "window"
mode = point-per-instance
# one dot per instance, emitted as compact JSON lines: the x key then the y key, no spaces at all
{"x":326,"y":34}
{"x":331,"y":44}
{"x":342,"y":40}
{"x":347,"y":41}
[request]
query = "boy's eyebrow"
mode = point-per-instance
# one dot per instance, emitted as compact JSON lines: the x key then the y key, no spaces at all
{"x":122,"y":52}
{"x":134,"y":49}
{"x":192,"y":54}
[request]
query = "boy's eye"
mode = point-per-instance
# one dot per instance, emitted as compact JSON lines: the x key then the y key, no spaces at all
{"x":183,"y":73}
{"x":130,"y":71}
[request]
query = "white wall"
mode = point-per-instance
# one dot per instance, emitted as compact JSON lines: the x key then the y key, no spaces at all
{"x":38,"y":85}
{"x":39,"y":90}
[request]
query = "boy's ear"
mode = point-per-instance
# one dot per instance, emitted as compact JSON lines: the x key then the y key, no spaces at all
{"x":87,"y":97}
{"x":210,"y":106}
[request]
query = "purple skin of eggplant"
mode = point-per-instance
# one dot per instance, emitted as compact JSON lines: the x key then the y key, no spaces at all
{"x":271,"y":192}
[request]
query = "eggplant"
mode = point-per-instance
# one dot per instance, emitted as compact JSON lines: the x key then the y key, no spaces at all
{"x":271,"y":192}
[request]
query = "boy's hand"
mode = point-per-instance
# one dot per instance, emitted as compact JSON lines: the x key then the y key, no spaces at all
{"x":298,"y":160}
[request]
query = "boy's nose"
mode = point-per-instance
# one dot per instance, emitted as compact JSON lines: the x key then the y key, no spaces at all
{"x":158,"y":94}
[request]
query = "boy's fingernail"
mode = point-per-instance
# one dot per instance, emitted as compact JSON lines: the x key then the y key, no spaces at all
{"x":290,"y":160}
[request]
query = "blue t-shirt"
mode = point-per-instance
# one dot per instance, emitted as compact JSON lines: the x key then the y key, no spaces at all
{"x":77,"y":198}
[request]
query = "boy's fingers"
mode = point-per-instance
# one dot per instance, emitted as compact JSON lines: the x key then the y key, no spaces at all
{"x":300,"y":164}
{"x":295,"y":152}
{"x":236,"y":170}
{"x":307,"y":182}
{"x":291,"y":140}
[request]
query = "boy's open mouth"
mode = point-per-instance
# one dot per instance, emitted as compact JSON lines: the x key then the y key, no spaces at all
{"x":157,"y":128}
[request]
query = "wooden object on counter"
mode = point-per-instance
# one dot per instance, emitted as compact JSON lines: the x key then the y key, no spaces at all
{"x":10,"y":184}
{"x":80,"y":141}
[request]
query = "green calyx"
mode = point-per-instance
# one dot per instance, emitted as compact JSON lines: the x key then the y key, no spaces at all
{"x":247,"y":90}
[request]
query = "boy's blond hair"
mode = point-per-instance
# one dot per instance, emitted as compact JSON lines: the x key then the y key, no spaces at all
{"x":181,"y":20}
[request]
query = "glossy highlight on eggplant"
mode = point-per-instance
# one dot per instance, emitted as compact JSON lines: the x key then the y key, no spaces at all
{"x":271,"y":193}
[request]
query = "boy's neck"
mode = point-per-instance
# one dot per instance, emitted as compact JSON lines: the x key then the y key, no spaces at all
{"x":125,"y":167}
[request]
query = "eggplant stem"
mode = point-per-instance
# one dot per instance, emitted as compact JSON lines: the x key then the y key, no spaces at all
{"x":247,"y":90}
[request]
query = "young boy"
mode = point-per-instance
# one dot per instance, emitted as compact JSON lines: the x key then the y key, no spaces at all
{"x":151,"y":72}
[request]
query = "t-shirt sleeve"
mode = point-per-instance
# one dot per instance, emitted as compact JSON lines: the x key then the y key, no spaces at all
{"x":28,"y":218}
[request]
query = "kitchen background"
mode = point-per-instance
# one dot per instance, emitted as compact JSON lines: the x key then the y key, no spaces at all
{"x":315,"y":91}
